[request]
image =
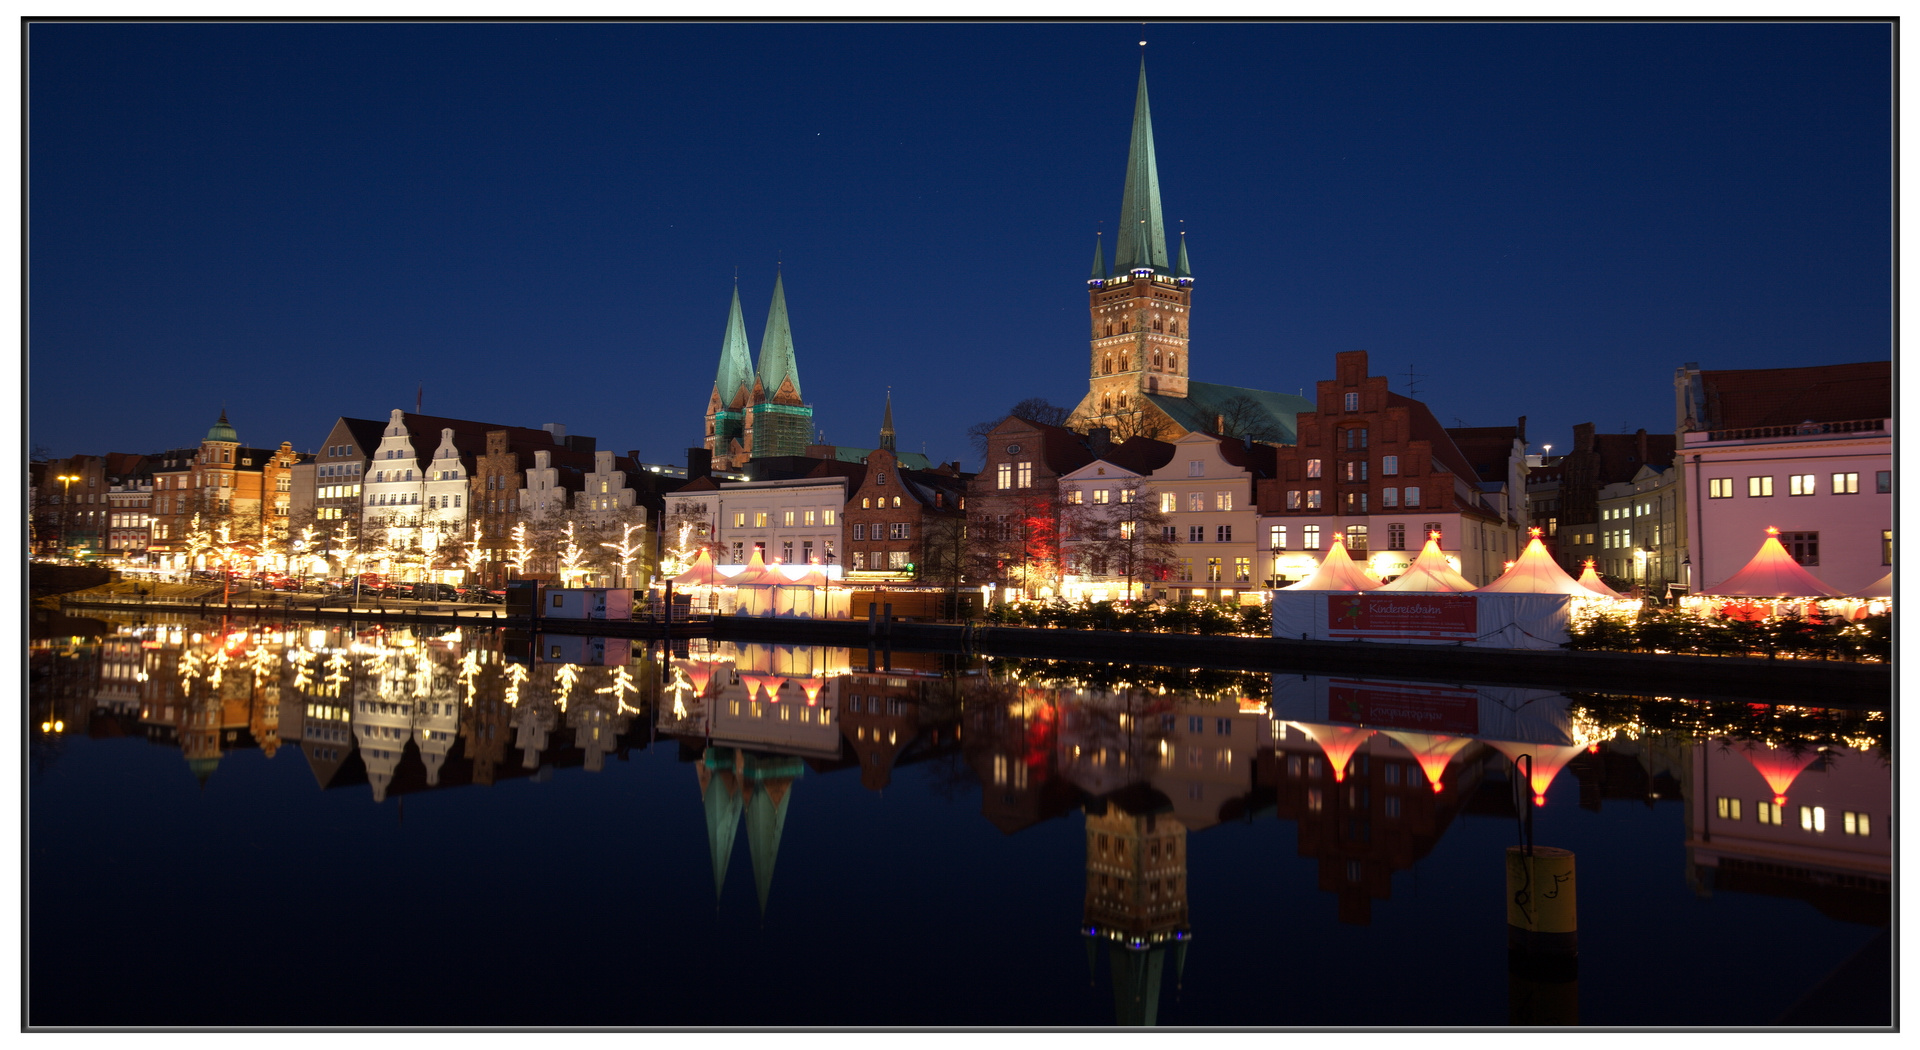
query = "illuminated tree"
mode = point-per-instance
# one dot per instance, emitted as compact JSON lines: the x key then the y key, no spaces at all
{"x":570,"y":555}
{"x":475,"y":556}
{"x":520,"y":552}
{"x":625,"y":550}
{"x":1124,"y":538}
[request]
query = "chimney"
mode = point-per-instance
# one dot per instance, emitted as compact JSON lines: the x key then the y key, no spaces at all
{"x":699,"y":463}
{"x":557,"y":431}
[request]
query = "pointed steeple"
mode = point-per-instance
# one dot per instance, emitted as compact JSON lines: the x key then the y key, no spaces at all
{"x":776,"y":346}
{"x":1183,"y":270}
{"x":736,"y":369}
{"x":886,"y":425}
{"x":766,"y":818}
{"x":720,"y":797}
{"x":1099,"y":261}
{"x":1142,"y":240}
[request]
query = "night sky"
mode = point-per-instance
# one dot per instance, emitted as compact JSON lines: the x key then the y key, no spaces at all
{"x":541,"y":223}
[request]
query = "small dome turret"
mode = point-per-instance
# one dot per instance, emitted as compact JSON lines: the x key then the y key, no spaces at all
{"x":223,"y":431}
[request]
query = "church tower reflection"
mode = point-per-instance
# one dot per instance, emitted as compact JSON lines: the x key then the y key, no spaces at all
{"x":1136,"y":902}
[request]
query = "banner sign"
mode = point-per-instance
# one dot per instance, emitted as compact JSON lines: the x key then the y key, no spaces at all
{"x":1429,"y":709}
{"x":1373,"y":615}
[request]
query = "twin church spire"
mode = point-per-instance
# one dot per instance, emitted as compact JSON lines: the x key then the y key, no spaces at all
{"x":755,"y":413}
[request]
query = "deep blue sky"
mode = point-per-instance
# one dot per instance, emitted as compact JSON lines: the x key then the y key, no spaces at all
{"x":541,"y":222}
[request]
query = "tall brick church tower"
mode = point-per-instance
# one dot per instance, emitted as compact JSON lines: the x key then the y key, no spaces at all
{"x":1140,"y":307}
{"x":752,"y":415}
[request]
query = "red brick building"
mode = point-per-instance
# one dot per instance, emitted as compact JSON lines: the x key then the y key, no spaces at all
{"x":891,"y":512}
{"x":1378,"y":468}
{"x":1013,"y":504}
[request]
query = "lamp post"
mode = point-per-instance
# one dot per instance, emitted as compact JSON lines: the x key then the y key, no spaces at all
{"x":66,"y":505}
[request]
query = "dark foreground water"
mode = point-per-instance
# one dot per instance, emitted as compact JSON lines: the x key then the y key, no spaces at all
{"x":236,"y":824}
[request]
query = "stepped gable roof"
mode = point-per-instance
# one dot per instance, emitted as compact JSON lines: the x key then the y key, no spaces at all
{"x":1487,"y":449}
{"x":1142,"y":455}
{"x":1778,"y":397}
{"x":1772,"y":574}
{"x":1204,"y":404}
{"x":1256,"y":458}
{"x":1423,"y":427}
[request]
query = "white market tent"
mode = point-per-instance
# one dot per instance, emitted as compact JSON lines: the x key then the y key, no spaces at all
{"x":1591,"y":581}
{"x":1880,"y":588}
{"x":756,"y":587}
{"x":1430,"y":573}
{"x":1337,"y":572}
{"x":1535,"y":572}
{"x":1771,"y":574}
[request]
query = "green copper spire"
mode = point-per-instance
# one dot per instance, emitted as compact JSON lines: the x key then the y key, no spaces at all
{"x":1099,"y":261}
{"x":721,"y":800}
{"x":886,"y":425}
{"x":1183,"y":270}
{"x":736,"y":371}
{"x":1142,"y":241}
{"x":776,"y":346}
{"x":766,"y":818}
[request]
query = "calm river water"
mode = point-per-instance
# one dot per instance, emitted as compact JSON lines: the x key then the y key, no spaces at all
{"x":239,"y":823}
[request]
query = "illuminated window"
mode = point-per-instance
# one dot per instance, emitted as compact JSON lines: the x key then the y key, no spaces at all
{"x":759,"y":519}
{"x":1102,"y":495}
{"x":1728,"y":808}
{"x":1316,"y":800}
{"x":1766,"y":813}
{"x":1243,"y":570}
{"x":1293,"y":499}
{"x":1223,"y":500}
{"x":809,"y":517}
{"x":1313,"y":499}
{"x":1814,"y":819}
{"x":786,"y":519}
{"x":1799,"y":484}
{"x":1186,"y":568}
{"x":1313,"y":468}
{"x":1074,"y":496}
{"x":740,"y":519}
{"x":1005,"y":477}
{"x":827,"y":517}
{"x":1169,"y":502}
{"x":1277,"y":537}
{"x":1025,"y":474}
{"x":1310,"y":538}
{"x":1760,"y":486}
{"x":1855,"y":824}
{"x":1396,"y":533}
{"x":1886,"y":546}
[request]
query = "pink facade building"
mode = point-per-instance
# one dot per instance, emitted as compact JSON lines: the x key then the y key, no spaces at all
{"x":1808,"y":451}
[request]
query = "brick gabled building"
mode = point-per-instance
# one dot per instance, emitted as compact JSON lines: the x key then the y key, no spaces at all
{"x":1013,"y":508}
{"x":1378,"y":468}
{"x":892,"y":510}
{"x":1595,"y":462}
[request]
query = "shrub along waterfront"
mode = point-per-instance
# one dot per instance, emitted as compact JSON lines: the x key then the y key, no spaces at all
{"x":1184,"y":618}
{"x":1676,"y":631}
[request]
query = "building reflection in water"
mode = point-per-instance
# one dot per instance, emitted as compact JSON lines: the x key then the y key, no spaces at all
{"x":1372,"y":773}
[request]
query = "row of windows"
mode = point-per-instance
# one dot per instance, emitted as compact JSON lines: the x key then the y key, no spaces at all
{"x":788,"y":518}
{"x":339,"y":470}
{"x":786,"y":550}
{"x":866,"y":503}
{"x":896,"y":560}
{"x":1812,"y":818}
{"x":899,"y":530}
{"x":1356,"y":502}
{"x":1242,"y":569}
{"x":1127,"y":495}
{"x":1761,"y":486}
{"x":1356,"y":469}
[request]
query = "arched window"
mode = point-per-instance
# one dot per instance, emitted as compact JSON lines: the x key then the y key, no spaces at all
{"x":1173,"y":362}
{"x":1106,"y":365}
{"x":1173,"y":328}
{"x":1106,"y":402}
{"x":1156,"y":360}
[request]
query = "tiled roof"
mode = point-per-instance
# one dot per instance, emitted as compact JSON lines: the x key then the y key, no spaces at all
{"x":1205,"y":403}
{"x":1142,"y":455}
{"x":1487,"y":448}
{"x":1423,"y":427}
{"x":1777,"y":397}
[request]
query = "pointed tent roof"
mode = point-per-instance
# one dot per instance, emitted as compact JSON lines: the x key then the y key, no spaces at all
{"x":702,"y":572}
{"x":1880,"y":588}
{"x":1337,"y":572}
{"x":1142,"y":240}
{"x":1430,"y":572}
{"x":758,"y":573}
{"x":736,"y":367}
{"x":766,"y":819}
{"x":1548,"y":761}
{"x":1772,"y":574}
{"x":1535,"y":572}
{"x":1432,"y":750}
{"x":886,"y":425}
{"x":1776,"y":766}
{"x":776,"y":344}
{"x":1339,"y":743}
{"x":1591,"y":581}
{"x":721,"y":800}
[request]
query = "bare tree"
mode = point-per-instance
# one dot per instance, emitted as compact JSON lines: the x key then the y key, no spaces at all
{"x":1033,"y":410}
{"x":1242,"y":417}
{"x":1127,"y":537}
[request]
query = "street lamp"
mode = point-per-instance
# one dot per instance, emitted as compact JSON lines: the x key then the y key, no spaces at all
{"x":66,"y":505}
